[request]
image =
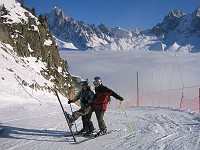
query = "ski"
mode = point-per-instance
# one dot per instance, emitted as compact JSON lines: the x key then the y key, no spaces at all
{"x":96,"y":135}
{"x":92,"y":137}
{"x":75,"y":134}
{"x":65,"y":114}
{"x":1,"y":128}
{"x":80,"y":134}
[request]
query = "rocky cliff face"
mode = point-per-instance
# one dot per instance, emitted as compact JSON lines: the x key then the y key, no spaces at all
{"x":170,"y":22}
{"x":31,"y":37}
{"x":196,"y":21}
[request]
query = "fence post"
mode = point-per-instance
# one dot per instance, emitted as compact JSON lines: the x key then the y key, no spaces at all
{"x":181,"y":101}
{"x":138,"y":104}
{"x":199,"y":100}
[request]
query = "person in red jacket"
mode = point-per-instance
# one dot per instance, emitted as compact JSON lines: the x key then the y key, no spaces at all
{"x":101,"y":97}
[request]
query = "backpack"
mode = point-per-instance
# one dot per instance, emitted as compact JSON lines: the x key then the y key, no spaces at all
{"x":109,"y":100}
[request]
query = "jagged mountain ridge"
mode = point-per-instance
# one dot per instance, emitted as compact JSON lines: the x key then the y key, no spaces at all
{"x":177,"y":32}
{"x":82,"y":35}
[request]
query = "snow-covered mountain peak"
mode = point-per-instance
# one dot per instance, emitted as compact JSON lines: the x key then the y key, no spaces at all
{"x":176,"y":14}
{"x":196,"y":12}
{"x":103,"y":28}
{"x":57,"y":11}
{"x":172,"y":20}
{"x":121,"y":33}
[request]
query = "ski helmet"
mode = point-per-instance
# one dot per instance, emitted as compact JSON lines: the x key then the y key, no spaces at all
{"x":97,"y":80}
{"x":85,"y":82}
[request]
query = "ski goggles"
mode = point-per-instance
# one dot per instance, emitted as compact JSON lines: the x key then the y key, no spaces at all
{"x":96,"y":83}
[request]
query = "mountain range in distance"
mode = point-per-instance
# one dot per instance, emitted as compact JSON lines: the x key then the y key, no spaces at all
{"x":178,"y":32}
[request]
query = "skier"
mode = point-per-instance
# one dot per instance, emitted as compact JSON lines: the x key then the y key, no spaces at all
{"x":102,"y":95}
{"x":86,"y":97}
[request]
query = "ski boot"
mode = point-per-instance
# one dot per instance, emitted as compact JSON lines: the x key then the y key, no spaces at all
{"x":89,"y":133}
{"x":83,"y":131}
{"x":101,"y":132}
{"x":70,"y":118}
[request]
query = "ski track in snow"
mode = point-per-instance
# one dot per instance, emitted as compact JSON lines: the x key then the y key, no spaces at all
{"x":43,"y":127}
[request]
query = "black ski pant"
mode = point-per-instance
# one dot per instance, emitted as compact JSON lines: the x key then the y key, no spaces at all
{"x":87,"y":123}
{"x":86,"y":113}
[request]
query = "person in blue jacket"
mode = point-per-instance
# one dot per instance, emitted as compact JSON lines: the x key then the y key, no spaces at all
{"x":86,"y":96}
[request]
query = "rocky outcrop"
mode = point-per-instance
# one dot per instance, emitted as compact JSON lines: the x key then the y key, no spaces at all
{"x":32,"y":38}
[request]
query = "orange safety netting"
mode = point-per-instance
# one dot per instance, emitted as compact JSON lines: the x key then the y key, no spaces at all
{"x":185,"y":99}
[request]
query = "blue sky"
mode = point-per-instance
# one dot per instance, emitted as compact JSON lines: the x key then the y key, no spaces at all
{"x":128,"y":14}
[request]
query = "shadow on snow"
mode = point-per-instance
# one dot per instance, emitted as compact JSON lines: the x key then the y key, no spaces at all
{"x":11,"y":132}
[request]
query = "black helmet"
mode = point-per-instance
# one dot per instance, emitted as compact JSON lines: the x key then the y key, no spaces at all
{"x":97,"y":80}
{"x":85,"y":82}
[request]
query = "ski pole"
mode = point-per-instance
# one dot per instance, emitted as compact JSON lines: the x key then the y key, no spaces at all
{"x":72,"y":112}
{"x":65,"y":116}
{"x":128,"y":120}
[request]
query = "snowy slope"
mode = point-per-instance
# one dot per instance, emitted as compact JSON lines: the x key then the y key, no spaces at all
{"x":43,"y":127}
{"x":17,"y":74}
{"x":16,"y":14}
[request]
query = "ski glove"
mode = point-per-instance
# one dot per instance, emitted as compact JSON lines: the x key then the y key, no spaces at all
{"x":121,"y":98}
{"x":70,"y":101}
